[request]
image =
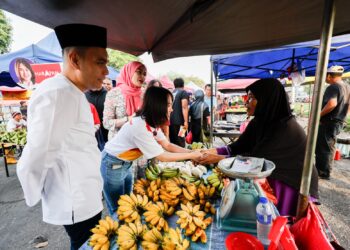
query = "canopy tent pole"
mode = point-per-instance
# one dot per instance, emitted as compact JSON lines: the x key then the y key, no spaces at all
{"x":211,"y":102}
{"x":320,"y":77}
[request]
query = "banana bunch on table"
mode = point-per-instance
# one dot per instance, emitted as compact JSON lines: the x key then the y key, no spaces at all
{"x":171,"y":191}
{"x":193,"y":221}
{"x":205,"y":194}
{"x":156,"y":215}
{"x":130,"y":234}
{"x":130,"y":207}
{"x":189,"y":191}
{"x":216,"y":179}
{"x":153,"y":172}
{"x":140,"y":186}
{"x":153,"y":190}
{"x":102,"y":233}
{"x":172,"y":240}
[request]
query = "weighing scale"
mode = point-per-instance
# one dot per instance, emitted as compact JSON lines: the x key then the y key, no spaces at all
{"x":237,"y":211}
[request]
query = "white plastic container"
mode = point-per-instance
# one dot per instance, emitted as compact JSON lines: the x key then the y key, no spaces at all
{"x":263,"y":220}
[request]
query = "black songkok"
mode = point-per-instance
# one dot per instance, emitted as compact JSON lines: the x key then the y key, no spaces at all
{"x":85,"y":35}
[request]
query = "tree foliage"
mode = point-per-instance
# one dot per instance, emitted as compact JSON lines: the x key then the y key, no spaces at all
{"x":196,"y":80}
{"x":5,"y":33}
{"x":118,"y":59}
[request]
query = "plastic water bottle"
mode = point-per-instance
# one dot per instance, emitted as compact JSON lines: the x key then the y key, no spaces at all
{"x":263,"y":220}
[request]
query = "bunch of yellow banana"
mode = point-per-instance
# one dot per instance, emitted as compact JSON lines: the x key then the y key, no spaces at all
{"x":130,"y":207}
{"x":205,"y":193}
{"x":129,"y":235}
{"x":140,"y":186}
{"x":174,"y":237}
{"x":171,"y":190}
{"x":102,"y":232}
{"x":200,"y":233}
{"x":192,"y":219}
{"x":155,"y":215}
{"x":153,"y":190}
{"x":174,"y":186}
{"x":208,"y":207}
{"x":152,"y":240}
{"x":189,"y":191}
{"x":171,"y":200}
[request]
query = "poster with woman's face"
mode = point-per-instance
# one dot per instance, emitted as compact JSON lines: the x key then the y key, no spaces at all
{"x":22,"y":73}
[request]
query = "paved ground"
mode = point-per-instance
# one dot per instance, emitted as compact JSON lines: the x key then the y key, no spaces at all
{"x":20,"y":224}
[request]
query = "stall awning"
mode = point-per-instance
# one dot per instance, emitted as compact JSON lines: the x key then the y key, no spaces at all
{"x":278,"y":61}
{"x":189,"y":27}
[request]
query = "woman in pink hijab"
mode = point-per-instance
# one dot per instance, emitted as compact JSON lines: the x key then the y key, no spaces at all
{"x":124,"y":100}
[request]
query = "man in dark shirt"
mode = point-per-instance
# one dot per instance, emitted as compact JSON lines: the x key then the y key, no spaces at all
{"x":97,"y":98}
{"x":335,"y":107}
{"x":179,"y":116}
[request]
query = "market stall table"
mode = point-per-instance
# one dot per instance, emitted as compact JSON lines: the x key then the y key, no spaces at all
{"x":236,"y":116}
{"x":6,"y":149}
{"x":232,"y":135}
{"x":215,"y":237}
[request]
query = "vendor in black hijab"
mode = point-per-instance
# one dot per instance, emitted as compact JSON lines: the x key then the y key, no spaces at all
{"x":273,"y":134}
{"x":199,"y":110}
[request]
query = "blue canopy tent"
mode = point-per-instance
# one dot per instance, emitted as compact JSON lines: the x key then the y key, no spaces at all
{"x":46,"y":50}
{"x":274,"y":62}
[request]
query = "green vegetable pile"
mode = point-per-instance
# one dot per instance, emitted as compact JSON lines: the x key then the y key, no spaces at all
{"x":18,"y":137}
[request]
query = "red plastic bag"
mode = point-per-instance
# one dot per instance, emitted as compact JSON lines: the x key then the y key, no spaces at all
{"x":189,"y":138}
{"x":309,"y":231}
{"x":280,"y":236}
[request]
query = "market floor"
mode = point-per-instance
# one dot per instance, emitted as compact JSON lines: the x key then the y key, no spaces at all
{"x":20,"y":224}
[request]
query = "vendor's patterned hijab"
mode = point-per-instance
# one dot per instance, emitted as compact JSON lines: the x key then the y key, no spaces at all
{"x":272,"y":104}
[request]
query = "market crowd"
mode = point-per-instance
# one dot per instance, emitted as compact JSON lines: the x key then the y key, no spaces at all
{"x":84,"y":134}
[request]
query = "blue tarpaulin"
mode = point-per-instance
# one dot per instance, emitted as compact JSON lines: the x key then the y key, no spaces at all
{"x":274,"y":62}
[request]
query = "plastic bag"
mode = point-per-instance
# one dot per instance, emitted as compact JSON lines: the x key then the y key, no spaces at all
{"x":280,"y":236}
{"x":309,"y":232}
{"x":189,"y":138}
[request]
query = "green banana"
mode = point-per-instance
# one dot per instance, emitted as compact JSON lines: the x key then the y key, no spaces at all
{"x":216,"y":183}
{"x":150,"y":167}
{"x":150,"y":175}
{"x":197,"y":182}
{"x":221,"y":186}
{"x":170,"y":173}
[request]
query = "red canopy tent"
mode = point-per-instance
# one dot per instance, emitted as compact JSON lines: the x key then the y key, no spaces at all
{"x":166,"y":82}
{"x":233,"y":85}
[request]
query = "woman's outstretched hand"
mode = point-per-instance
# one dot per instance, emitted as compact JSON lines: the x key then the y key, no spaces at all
{"x":196,"y":155}
{"x":209,"y":158}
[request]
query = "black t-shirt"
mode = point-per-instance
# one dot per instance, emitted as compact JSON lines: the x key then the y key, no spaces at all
{"x":97,"y":98}
{"x":341,"y":91}
{"x":176,"y":117}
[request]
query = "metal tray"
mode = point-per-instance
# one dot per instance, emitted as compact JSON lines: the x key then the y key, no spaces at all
{"x":225,"y":165}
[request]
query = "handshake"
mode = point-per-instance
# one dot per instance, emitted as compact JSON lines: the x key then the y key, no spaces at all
{"x":206,"y":156}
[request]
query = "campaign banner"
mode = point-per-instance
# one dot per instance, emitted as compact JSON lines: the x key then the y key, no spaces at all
{"x":26,"y":74}
{"x":44,"y":71}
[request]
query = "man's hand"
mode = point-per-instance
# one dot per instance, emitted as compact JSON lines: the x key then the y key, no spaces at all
{"x":185,"y":126}
{"x":208,"y":158}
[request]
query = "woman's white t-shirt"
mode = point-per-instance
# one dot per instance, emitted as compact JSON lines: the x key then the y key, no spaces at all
{"x":134,"y":139}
